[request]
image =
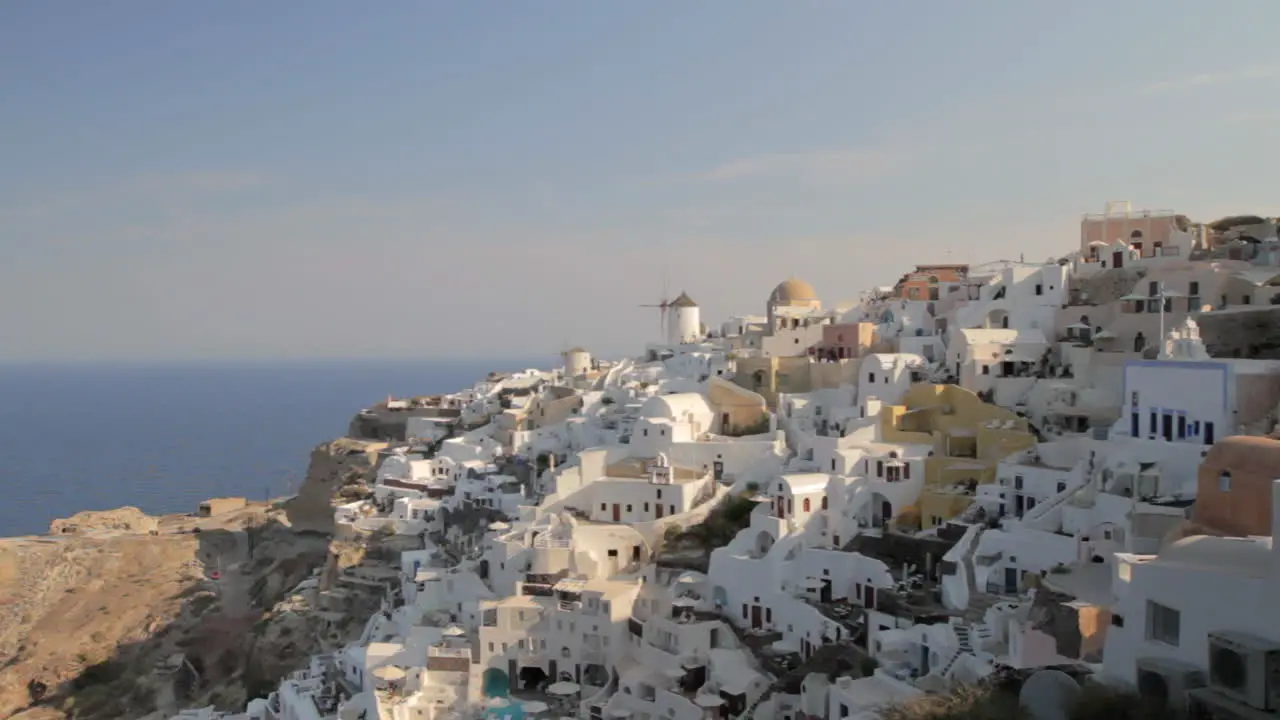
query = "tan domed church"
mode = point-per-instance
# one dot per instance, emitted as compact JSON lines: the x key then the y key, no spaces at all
{"x":795,"y":319}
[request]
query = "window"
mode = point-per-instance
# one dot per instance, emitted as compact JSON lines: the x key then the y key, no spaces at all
{"x":1039,"y":289}
{"x":824,"y":502}
{"x":1224,"y":481}
{"x":806,"y":505}
{"x":879,"y":468}
{"x":1017,"y":482}
{"x":1061,"y":486}
{"x":986,"y":370}
{"x":604,"y":506}
{"x":906,"y":471}
{"x":628,"y":508}
{"x":613,"y":552}
{"x":646,"y":507}
{"x":1164,"y":624}
{"x":871,"y":377}
{"x":659,"y":494}
{"x":1117,"y":621}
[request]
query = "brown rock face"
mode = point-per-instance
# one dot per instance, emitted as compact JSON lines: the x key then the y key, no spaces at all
{"x":122,"y":615}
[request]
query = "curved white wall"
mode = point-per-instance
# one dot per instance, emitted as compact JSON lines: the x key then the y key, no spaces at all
{"x":685,"y":326}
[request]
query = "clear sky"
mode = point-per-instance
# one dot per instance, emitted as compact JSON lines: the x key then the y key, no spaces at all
{"x":415,"y":178}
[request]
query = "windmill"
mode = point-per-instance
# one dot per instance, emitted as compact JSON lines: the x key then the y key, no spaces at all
{"x":663,"y":306}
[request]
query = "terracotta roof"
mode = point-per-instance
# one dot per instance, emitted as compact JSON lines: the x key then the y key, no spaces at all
{"x":1247,"y":454}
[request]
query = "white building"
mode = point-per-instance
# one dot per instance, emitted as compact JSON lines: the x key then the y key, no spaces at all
{"x":1177,"y":402}
{"x":888,"y":377}
{"x":1202,"y":612}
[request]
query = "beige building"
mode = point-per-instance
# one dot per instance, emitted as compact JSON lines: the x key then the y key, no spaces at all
{"x":1131,"y":321}
{"x":1147,"y":232}
{"x":740,"y":411}
{"x":769,"y":376}
{"x":969,"y":439}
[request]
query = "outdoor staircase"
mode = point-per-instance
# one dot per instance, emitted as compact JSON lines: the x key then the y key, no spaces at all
{"x":966,"y":635}
{"x":746,"y":714}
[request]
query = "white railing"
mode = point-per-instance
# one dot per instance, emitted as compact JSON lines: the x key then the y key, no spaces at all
{"x":547,"y":540}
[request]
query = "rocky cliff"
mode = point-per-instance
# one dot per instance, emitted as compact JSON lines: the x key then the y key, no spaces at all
{"x":123,"y":615}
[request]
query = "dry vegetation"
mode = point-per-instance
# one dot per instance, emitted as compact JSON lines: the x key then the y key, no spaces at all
{"x":1096,"y":702}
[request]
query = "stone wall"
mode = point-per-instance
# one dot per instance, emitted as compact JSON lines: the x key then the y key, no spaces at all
{"x":1242,"y":332}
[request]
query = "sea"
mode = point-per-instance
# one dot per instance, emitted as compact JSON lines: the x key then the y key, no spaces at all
{"x":164,"y":437}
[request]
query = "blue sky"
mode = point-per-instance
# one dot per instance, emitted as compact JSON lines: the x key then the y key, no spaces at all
{"x":413,"y":178}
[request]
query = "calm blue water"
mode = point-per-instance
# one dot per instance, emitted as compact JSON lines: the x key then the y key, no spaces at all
{"x":164,"y":438}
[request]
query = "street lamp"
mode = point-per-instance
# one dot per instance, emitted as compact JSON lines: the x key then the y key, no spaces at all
{"x":1162,"y":295}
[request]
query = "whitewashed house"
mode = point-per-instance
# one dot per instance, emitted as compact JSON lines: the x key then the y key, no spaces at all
{"x":1200,"y":621}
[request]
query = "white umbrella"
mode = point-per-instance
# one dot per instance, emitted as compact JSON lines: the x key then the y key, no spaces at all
{"x":499,"y":525}
{"x":564,"y":687}
{"x":453,"y":631}
{"x":535,"y":706}
{"x":390,"y":673}
{"x":684,"y":602}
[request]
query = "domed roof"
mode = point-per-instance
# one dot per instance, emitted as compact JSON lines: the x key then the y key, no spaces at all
{"x":793,"y":292}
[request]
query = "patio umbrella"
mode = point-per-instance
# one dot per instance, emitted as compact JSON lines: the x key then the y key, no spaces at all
{"x":563,"y":688}
{"x":535,"y":706}
{"x":708,"y":701}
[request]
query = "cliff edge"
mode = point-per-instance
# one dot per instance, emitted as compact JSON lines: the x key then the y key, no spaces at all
{"x":120,"y":614}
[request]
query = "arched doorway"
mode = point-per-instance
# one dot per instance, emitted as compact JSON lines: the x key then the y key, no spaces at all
{"x":532,"y":677}
{"x":496,"y":683}
{"x":881,"y":510}
{"x":595,"y":675}
{"x":764,"y":543}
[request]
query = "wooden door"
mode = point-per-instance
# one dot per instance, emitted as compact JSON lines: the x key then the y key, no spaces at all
{"x":657,"y":510}
{"x":617,"y":512}
{"x":757,"y":622}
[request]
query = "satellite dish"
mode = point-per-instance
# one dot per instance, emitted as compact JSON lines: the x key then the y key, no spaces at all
{"x":1049,"y":695}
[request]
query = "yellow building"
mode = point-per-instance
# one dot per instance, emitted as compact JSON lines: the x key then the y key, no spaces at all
{"x":770,"y":376}
{"x":969,"y":438}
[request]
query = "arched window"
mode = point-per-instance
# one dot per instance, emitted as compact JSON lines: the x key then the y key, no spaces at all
{"x":806,"y":504}
{"x":1224,"y":481}
{"x":1135,"y":235}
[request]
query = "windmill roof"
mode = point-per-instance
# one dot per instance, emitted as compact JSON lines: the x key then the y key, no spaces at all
{"x":683,"y":301}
